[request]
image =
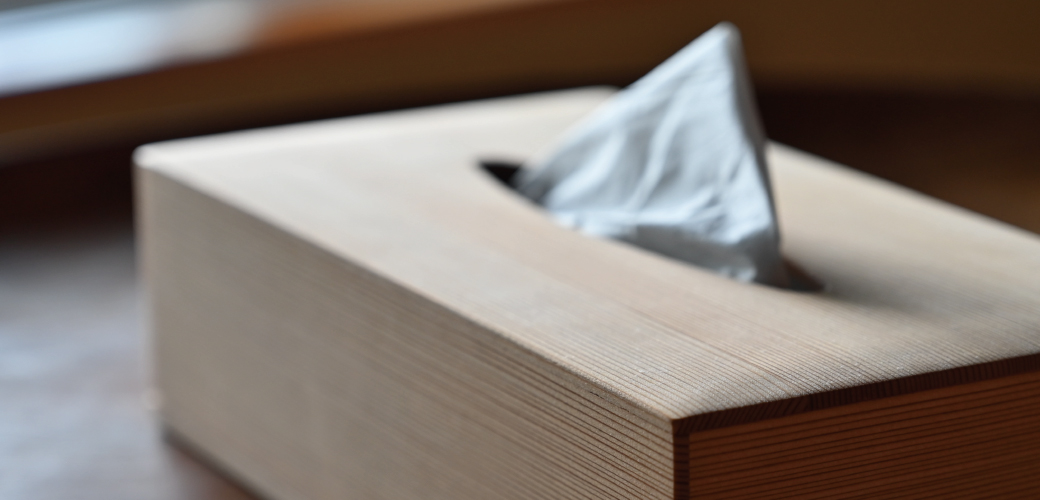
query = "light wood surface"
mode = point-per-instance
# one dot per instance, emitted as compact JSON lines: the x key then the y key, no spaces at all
{"x":338,"y":302}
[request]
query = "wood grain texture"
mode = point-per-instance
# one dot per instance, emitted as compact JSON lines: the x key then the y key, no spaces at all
{"x":971,"y":441}
{"x":338,"y":303}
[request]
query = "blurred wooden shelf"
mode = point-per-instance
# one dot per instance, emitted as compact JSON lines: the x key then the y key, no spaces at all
{"x":310,"y":60}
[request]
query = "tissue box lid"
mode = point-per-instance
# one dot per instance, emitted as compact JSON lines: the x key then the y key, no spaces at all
{"x":918,"y":294}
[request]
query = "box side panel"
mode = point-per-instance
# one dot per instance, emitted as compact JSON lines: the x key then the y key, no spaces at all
{"x":913,"y":287}
{"x":311,"y":378}
{"x":979,"y":440}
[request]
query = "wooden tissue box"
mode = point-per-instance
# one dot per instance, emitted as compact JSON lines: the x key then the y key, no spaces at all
{"x":355,"y":309}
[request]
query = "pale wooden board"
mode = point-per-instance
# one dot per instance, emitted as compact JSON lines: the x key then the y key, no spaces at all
{"x":287,"y":263}
{"x":310,"y":377}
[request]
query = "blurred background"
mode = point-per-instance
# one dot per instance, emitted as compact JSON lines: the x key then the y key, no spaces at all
{"x":942,"y":96}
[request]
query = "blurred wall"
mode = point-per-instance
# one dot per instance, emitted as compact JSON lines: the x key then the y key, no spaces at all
{"x":948,"y":88}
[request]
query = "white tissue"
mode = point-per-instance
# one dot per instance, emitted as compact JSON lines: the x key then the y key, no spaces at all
{"x":674,"y":164}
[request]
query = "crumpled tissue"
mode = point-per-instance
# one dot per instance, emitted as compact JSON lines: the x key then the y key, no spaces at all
{"x":675,"y":164}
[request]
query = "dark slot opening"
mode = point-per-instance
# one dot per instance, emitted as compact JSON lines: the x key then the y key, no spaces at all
{"x":505,"y":171}
{"x":502,"y":170}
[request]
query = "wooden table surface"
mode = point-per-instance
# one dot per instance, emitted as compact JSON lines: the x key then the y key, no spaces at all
{"x":76,"y":418}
